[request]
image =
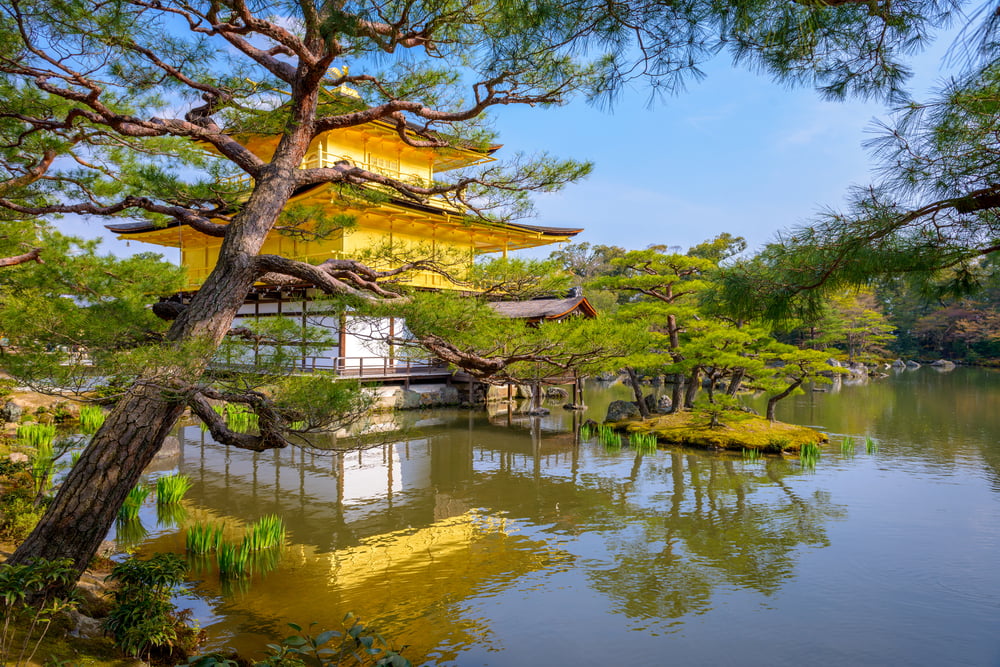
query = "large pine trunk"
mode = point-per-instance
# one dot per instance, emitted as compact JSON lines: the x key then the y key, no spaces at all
{"x":88,"y":502}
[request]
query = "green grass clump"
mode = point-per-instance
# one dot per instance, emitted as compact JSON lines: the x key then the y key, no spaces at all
{"x":643,"y":442}
{"x":240,"y":418}
{"x":609,"y":437}
{"x":871,"y":445}
{"x":203,"y":538}
{"x":847,"y":446}
{"x":43,"y":464}
{"x":170,"y":489}
{"x":265,"y":533}
{"x":34,"y":434}
{"x":809,"y":455}
{"x":751,"y":455}
{"x":233,"y":560}
{"x":91,"y":418}
{"x":133,"y":501}
{"x":586,"y":433}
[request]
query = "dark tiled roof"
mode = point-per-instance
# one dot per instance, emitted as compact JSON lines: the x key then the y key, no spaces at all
{"x":543,"y":309}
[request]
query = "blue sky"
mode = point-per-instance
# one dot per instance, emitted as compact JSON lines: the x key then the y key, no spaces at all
{"x":734,"y":153}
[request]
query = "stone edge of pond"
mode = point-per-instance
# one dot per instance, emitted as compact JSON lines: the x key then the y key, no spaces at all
{"x":751,"y":432}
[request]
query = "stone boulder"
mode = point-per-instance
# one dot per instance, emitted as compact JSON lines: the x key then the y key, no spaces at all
{"x":650,"y":401}
{"x":664,"y":405}
{"x":11,"y":412}
{"x":943,"y":364}
{"x":899,"y":363}
{"x":912,"y":364}
{"x":429,"y":397}
{"x":559,"y":393}
{"x":621,"y":410}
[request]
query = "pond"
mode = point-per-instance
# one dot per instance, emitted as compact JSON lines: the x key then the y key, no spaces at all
{"x":497,"y":540}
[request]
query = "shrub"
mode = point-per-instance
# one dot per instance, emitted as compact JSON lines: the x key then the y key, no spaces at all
{"x":19,"y":515}
{"x":31,"y":596}
{"x":143,"y":620}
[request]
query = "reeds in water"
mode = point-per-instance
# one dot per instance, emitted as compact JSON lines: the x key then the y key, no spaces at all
{"x":240,"y":418}
{"x":170,"y":489}
{"x":586,"y":433}
{"x":871,"y":445}
{"x":233,"y":560}
{"x":34,"y":434}
{"x":265,"y":533}
{"x":809,"y":455}
{"x":847,"y":446}
{"x":203,"y":538}
{"x":643,"y":442}
{"x":43,"y":463}
{"x":751,"y":455}
{"x":609,"y":437}
{"x":170,"y":515}
{"x":133,"y":501}
{"x":91,"y":418}
{"x":129,"y":533}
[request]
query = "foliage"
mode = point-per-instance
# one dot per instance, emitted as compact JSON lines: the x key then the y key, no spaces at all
{"x":19,"y":513}
{"x":356,"y":644}
{"x":32,"y":595}
{"x":170,"y":489}
{"x":203,"y":538}
{"x":143,"y":619}
{"x":809,"y":455}
{"x":470,"y":334}
{"x":233,"y":560}
{"x":267,"y":532}
{"x":76,"y":301}
{"x":34,"y":434}
{"x":719,"y":412}
{"x":91,"y":418}
{"x":854,"y":322}
{"x":931,"y":215}
{"x":643,"y":442}
{"x":136,"y":497}
{"x":42,"y":467}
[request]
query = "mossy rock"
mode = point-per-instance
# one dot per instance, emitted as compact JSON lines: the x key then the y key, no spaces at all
{"x":750,"y":432}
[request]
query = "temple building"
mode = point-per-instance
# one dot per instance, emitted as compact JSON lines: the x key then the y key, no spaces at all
{"x":432,"y":228}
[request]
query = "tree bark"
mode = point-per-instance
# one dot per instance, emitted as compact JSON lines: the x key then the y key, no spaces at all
{"x":736,"y":381}
{"x":773,"y":401}
{"x":693,"y":385}
{"x":633,"y":381}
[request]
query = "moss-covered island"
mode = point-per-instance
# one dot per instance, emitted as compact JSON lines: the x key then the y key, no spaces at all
{"x":692,"y":429}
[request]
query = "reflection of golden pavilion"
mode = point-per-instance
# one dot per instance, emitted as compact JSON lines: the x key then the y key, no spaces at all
{"x":415,"y":583}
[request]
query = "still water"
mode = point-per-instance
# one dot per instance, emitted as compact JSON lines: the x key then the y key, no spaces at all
{"x":496,"y":540}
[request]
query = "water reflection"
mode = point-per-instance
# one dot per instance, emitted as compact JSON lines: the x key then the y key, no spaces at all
{"x":500,"y":539}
